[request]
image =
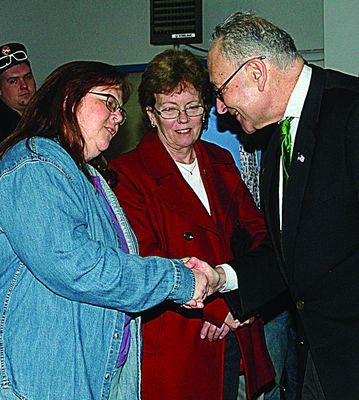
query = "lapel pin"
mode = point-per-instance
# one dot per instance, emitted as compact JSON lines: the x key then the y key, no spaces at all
{"x":300,"y":157}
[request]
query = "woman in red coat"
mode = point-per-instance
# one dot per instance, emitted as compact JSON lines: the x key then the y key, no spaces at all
{"x":185,"y":197}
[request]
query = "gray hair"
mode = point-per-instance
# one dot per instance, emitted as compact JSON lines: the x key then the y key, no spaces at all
{"x":244,"y":35}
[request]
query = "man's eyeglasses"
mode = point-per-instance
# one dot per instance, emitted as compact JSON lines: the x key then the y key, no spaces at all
{"x":219,"y":92}
{"x":17,"y":55}
{"x":172,"y":112}
{"x":113,"y":105}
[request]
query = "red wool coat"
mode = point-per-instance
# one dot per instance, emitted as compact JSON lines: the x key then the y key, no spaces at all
{"x":170,"y":221}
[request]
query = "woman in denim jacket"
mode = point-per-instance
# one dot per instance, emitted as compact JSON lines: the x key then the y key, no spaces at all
{"x":70,"y":279}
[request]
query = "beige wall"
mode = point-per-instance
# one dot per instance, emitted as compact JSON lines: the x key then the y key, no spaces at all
{"x":341,"y":35}
{"x":117,"y":31}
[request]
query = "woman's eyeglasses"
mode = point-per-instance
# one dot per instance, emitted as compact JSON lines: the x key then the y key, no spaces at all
{"x":172,"y":112}
{"x":113,"y":105}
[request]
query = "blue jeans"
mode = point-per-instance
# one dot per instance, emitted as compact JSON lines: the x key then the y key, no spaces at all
{"x":291,"y":365}
{"x":280,"y":338}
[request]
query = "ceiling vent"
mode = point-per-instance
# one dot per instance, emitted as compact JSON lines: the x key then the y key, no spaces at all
{"x":176,"y":22}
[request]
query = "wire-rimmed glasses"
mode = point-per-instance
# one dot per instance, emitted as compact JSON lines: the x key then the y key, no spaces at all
{"x":219,"y":92}
{"x":113,"y":105}
{"x":173,"y":112}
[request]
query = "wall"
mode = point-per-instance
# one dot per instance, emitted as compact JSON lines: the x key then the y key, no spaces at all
{"x":302,"y":19}
{"x":117,"y":31}
{"x":341,"y":35}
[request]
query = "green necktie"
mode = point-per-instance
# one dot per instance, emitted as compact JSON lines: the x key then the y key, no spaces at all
{"x":286,"y":147}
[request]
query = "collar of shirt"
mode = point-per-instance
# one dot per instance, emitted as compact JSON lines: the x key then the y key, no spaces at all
{"x":297,"y":98}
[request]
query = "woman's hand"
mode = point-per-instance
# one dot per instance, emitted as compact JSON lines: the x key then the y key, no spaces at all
{"x":212,"y":332}
{"x":216,"y":277}
{"x":201,"y":287}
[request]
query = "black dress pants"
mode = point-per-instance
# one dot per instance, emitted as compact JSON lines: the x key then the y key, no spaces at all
{"x":312,"y":389}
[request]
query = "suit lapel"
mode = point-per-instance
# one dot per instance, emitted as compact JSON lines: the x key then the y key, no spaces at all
{"x":269,"y":186}
{"x":301,"y":161}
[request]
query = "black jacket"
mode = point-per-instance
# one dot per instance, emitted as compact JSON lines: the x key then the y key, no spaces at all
{"x":320,"y":235}
{"x":8,"y":120}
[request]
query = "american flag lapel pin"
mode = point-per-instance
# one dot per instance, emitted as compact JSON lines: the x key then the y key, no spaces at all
{"x":300,"y":157}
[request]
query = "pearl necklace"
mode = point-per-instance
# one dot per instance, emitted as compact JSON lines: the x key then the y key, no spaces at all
{"x":188,"y":170}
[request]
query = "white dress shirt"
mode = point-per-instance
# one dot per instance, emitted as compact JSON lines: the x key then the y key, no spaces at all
{"x":294,"y":110}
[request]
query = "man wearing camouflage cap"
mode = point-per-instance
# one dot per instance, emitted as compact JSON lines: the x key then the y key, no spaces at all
{"x":17,"y":85}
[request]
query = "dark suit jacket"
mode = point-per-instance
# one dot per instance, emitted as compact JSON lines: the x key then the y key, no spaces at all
{"x":8,"y":120}
{"x":320,"y":235}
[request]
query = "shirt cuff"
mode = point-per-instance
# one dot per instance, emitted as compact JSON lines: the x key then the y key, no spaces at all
{"x":231,"y":278}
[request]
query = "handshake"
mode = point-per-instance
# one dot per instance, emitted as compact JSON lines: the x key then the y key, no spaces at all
{"x":208,"y":280}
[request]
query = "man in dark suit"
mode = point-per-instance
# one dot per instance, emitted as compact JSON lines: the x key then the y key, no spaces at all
{"x":310,"y":195}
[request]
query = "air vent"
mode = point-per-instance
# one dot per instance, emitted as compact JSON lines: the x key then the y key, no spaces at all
{"x":176,"y":22}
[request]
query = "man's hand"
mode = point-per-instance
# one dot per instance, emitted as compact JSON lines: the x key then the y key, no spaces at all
{"x":234,"y":324}
{"x":216,"y":277}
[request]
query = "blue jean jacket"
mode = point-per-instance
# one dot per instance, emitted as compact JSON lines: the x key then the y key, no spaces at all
{"x":64,"y":282}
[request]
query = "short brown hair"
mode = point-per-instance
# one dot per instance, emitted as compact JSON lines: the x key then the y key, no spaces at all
{"x":173,"y":69}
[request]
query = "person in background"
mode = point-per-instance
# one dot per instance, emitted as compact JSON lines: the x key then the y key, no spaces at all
{"x":279,"y":328}
{"x":71,"y":279}
{"x":309,"y":191}
{"x":17,"y":86}
{"x":185,"y":196}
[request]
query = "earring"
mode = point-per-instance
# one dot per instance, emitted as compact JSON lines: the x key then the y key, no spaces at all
{"x":203,"y":118}
{"x":153,"y":125}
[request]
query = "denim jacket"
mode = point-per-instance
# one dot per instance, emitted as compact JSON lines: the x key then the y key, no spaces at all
{"x":64,"y":282}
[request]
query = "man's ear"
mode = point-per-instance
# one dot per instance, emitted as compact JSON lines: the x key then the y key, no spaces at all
{"x":259,"y":73}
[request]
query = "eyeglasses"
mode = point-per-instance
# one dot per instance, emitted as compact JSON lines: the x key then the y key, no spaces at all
{"x":19,"y":55}
{"x":220,"y":91}
{"x":112,"y":104}
{"x":172,"y":112}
